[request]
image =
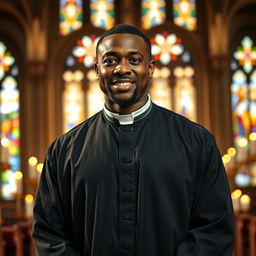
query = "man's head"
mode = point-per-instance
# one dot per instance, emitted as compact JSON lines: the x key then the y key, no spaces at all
{"x":125,"y":29}
{"x":124,"y":68}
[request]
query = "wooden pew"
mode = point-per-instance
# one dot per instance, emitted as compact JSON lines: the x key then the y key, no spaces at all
{"x":242,"y":242}
{"x":13,"y":239}
{"x":252,"y":236}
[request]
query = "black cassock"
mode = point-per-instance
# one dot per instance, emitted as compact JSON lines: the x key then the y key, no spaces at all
{"x":156,"y":187}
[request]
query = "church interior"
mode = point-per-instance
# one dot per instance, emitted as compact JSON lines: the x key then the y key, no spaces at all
{"x":205,"y":55}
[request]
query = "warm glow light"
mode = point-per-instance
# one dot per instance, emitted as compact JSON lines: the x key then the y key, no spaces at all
{"x":252,"y":136}
{"x":184,"y":6}
{"x":236,"y":194}
{"x":71,"y":11}
{"x":18,"y":175}
{"x":39,"y":167}
{"x":68,"y":76}
{"x":29,"y":198}
{"x":32,"y":161}
{"x":5,"y":142}
{"x":231,"y":151}
{"x":245,"y":199}
{"x":226,"y":158}
{"x":242,"y":142}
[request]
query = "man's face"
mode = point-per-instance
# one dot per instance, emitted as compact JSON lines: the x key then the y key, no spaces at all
{"x":124,"y":70}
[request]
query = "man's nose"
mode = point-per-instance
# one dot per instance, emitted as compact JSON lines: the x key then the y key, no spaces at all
{"x":122,"y":68}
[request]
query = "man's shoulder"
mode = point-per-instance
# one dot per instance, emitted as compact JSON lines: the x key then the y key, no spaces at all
{"x":180,"y":123}
{"x":77,"y":133}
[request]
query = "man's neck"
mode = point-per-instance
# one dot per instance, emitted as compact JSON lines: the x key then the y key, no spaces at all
{"x":129,"y":118}
{"x":126,"y":109}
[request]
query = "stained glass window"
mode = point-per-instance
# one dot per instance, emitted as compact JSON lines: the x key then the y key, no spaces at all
{"x":82,"y":96}
{"x":85,"y":49}
{"x":240,"y":104}
{"x":166,"y":47}
{"x":243,"y":99}
{"x":73,"y":98}
{"x":253,"y":101}
{"x":9,"y":123}
{"x":173,"y":82}
{"x":102,"y":13}
{"x":184,"y":13}
{"x":160,"y":90}
{"x":184,"y":92}
{"x":246,"y":54}
{"x":153,"y":13}
{"x":71,"y":16}
{"x":243,"y":90}
{"x":95,"y":97}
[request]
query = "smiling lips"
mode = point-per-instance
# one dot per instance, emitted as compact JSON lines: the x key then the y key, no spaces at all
{"x":123,"y":85}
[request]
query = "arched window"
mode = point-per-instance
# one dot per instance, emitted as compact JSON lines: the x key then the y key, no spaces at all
{"x":102,"y":13}
{"x":243,"y":99}
{"x":154,"y":12}
{"x":9,"y":123}
{"x":173,"y":84}
{"x":71,"y":16}
{"x":184,"y":13}
{"x":81,"y":94}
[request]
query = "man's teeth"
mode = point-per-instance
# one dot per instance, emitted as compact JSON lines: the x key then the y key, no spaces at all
{"x":123,"y":84}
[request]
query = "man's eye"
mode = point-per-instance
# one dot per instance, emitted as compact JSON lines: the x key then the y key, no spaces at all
{"x":135,"y":60}
{"x":109,"y":61}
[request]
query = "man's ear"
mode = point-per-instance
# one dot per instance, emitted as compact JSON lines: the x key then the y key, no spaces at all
{"x":151,"y":68}
{"x":96,"y":68}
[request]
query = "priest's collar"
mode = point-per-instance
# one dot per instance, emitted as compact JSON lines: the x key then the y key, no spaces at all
{"x":129,"y":118}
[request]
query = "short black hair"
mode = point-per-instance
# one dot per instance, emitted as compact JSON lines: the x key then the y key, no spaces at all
{"x":123,"y":29}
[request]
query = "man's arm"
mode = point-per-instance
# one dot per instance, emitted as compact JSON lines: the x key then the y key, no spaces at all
{"x":51,"y":232}
{"x":211,"y":229}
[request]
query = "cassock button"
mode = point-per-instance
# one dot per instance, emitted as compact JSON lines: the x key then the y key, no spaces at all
{"x":129,"y":218}
{"x":127,"y":160}
{"x":128,"y":189}
{"x":126,"y":246}
{"x":127,"y":128}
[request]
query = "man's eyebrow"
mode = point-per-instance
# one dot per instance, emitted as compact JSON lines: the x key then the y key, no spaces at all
{"x":136,"y":53}
{"x":115,"y":53}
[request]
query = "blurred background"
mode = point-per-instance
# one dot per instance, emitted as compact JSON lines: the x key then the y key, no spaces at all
{"x":205,"y":53}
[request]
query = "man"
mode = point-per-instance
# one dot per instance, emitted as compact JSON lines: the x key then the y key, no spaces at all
{"x":134,"y":179}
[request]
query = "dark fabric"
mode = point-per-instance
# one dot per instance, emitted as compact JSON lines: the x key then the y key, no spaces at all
{"x":154,"y":188}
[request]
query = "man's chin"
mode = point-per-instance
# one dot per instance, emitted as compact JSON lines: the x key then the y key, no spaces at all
{"x":124,"y":101}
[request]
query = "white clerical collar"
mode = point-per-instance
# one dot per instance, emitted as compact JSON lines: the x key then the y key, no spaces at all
{"x":129,"y":118}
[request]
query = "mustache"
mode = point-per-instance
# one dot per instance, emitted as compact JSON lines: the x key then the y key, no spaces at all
{"x":121,"y":76}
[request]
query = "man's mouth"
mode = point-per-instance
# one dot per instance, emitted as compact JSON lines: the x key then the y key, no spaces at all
{"x":123,"y":85}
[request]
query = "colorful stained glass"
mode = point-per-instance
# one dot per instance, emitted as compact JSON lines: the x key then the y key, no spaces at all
{"x":166,"y":47}
{"x":240,"y":104}
{"x":160,"y":90}
{"x":6,"y":60}
{"x":184,"y":12}
{"x":153,"y":13}
{"x":71,"y":16}
{"x":85,"y":50}
{"x":73,"y":99}
{"x":95,"y":97}
{"x":253,"y":101}
{"x":102,"y":13}
{"x":10,"y":131}
{"x":243,"y":93}
{"x":9,"y":123}
{"x":184,"y":92}
{"x":246,"y":54}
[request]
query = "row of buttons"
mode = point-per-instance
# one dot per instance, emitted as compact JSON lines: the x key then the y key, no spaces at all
{"x":129,"y":218}
{"x":127,"y":189}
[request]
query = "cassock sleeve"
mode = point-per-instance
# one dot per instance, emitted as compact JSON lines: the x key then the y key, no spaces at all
{"x":211,"y":228}
{"x":51,"y":233}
